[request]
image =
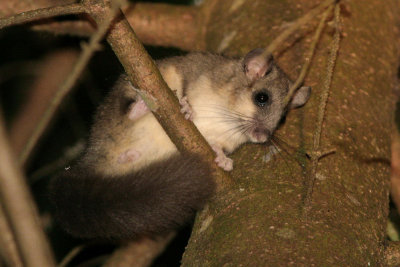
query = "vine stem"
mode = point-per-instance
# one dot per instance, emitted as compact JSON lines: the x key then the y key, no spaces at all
{"x":316,"y":154}
{"x":294,"y":26}
{"x":309,"y":56}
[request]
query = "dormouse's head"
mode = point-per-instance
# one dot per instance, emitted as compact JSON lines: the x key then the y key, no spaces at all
{"x":267,"y":88}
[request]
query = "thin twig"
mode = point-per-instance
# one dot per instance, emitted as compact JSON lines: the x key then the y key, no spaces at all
{"x":167,"y":22}
{"x":144,"y":74}
{"x":51,"y":168}
{"x":42,"y":13}
{"x":309,"y":56}
{"x":96,"y":261}
{"x":71,"y":255}
{"x":278,"y":41}
{"x":20,"y":210}
{"x":316,"y":154}
{"x":328,"y":80}
{"x":8,"y":246}
{"x":88,"y":51}
{"x":140,"y":253}
{"x":59,"y":65}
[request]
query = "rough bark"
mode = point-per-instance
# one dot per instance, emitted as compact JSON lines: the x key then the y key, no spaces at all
{"x":259,"y":221}
{"x":392,"y":252}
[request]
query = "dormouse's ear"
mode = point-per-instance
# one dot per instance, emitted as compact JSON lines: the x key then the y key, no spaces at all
{"x":256,"y":65}
{"x":300,"y":97}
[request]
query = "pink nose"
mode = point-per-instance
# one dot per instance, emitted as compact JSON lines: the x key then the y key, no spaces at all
{"x":261,"y":134}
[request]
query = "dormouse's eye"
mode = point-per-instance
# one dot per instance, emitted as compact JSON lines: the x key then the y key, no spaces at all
{"x":261,"y":98}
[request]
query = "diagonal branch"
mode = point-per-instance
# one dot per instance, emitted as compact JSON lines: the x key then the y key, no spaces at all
{"x":140,"y":253}
{"x":18,"y":206}
{"x":59,"y":64}
{"x":42,"y":13}
{"x":8,"y":246}
{"x":158,"y":97}
{"x":80,"y":65}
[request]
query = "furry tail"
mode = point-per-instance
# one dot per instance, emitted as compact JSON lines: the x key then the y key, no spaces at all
{"x":153,"y":201}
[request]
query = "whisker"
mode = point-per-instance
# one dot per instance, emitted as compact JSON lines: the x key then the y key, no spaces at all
{"x":279,"y":152}
{"x":222,"y":119}
{"x":279,"y":142}
{"x":241,"y":128}
{"x":222,"y":115}
{"x":223,"y":110}
{"x":237,"y":122}
{"x":232,"y":114}
{"x":286,"y":146}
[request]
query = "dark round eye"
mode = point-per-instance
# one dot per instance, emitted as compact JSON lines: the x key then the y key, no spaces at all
{"x":261,"y":98}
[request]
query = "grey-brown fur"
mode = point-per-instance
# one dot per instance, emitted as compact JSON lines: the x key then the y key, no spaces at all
{"x":155,"y":200}
{"x":231,"y":101}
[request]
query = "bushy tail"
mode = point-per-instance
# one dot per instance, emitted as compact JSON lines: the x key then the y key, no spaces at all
{"x":153,"y":201}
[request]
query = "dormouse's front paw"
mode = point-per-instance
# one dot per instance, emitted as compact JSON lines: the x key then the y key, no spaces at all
{"x":186,"y":109}
{"x":222,"y":160}
{"x":137,"y":109}
{"x":225,"y":163}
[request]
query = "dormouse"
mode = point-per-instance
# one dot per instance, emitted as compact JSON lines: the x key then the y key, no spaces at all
{"x":132,"y":181}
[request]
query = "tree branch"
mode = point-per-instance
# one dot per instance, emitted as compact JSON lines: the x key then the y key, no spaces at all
{"x":88,"y":51}
{"x":140,"y":253}
{"x":395,"y":169}
{"x":43,"y":13}
{"x":20,"y":210}
{"x":59,"y":64}
{"x":158,"y":97}
{"x":165,"y":24}
{"x":155,"y":24}
{"x":8,"y":246}
{"x":392,"y":254}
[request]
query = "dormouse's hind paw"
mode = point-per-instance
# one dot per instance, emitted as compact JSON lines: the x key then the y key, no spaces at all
{"x":186,"y":109}
{"x":137,"y":109}
{"x":222,"y":160}
{"x":130,"y":155}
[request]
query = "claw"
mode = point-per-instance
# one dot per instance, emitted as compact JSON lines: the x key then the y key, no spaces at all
{"x":222,"y":160}
{"x":186,"y":109}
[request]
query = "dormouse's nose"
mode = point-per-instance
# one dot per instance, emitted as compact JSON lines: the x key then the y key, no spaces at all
{"x":261,"y":134}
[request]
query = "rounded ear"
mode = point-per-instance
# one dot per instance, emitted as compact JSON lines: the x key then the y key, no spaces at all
{"x":300,"y":97}
{"x":256,"y":64}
